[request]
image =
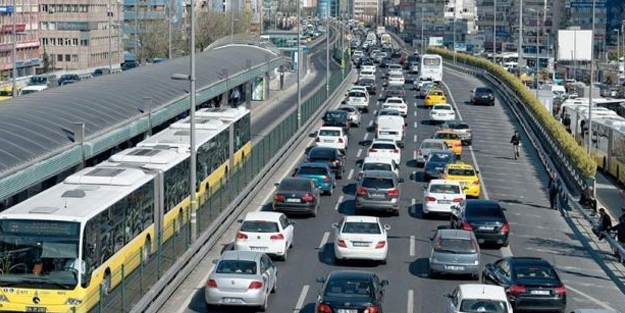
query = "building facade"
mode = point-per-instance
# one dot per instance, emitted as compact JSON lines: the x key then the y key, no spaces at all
{"x":80,"y":35}
{"x":368,"y":8}
{"x":27,"y":37}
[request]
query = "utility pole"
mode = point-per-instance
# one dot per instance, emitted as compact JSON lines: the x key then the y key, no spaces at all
{"x":14,"y":57}
{"x":109,"y":13}
{"x":454,"y":41}
{"x":422,"y":30}
{"x":137,"y":31}
{"x":495,"y":32}
{"x":169,"y":17}
{"x":327,"y":49}
{"x":232,"y":20}
{"x":520,"y":48}
{"x":592,"y":52}
{"x":299,"y":65}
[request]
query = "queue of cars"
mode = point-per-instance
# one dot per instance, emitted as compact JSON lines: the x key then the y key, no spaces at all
{"x":452,"y":189}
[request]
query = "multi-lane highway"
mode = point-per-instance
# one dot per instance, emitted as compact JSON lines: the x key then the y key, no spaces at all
{"x":519,"y":185}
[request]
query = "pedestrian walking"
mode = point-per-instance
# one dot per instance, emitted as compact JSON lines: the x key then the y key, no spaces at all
{"x":553,"y":190}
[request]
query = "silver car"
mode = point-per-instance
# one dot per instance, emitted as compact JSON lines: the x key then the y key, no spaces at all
{"x":461,"y":128}
{"x":352,"y":112}
{"x":380,"y":191}
{"x":241,"y":278}
{"x":456,"y":252}
{"x":427,"y":146}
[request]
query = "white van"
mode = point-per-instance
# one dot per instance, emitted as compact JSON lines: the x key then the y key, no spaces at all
{"x":391,"y":127}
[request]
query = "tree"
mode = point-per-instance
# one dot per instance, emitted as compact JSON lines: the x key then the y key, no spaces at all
{"x":212,"y":26}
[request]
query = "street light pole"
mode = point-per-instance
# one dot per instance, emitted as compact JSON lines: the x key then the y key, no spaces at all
{"x":454,"y":41}
{"x":422,"y":30}
{"x":109,"y":13}
{"x":327,"y":49}
{"x":592,"y":69}
{"x":495,"y":32}
{"x":232,"y":20}
{"x":169,"y":29}
{"x":520,"y":48}
{"x":136,"y":49}
{"x":14,"y":57}
{"x":299,"y":66}
{"x":618,"y":45}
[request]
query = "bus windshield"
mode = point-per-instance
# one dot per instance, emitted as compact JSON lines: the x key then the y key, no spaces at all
{"x":39,"y":254}
{"x":431,"y":61}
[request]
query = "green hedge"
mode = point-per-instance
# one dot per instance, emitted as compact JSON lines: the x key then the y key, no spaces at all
{"x":585,"y":164}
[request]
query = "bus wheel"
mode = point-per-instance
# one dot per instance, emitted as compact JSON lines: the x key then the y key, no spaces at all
{"x":106,"y":283}
{"x":147,"y":250}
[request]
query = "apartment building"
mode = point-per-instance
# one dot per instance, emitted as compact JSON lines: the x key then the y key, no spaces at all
{"x":80,"y":34}
{"x":459,"y":20}
{"x":365,"y":8}
{"x":27,"y":37}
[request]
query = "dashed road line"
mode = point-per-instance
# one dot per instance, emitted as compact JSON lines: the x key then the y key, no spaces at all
{"x":410,"y":304}
{"x":359,"y":153}
{"x":412,"y":245}
{"x":370,"y":123}
{"x":302,"y":297}
{"x":414,"y":138}
{"x":338,"y":203}
{"x":324,"y":240}
{"x":351,"y":173}
{"x":366,"y":136}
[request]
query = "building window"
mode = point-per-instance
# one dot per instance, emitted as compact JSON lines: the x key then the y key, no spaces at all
{"x":75,"y":8}
{"x":44,"y":41}
{"x":59,"y":57}
{"x":74,"y":57}
{"x":68,"y":41}
{"x":59,"y":8}
{"x":52,"y":26}
{"x":74,"y":42}
{"x":53,"y":41}
{"x":84,"y":8}
{"x":84,"y":42}
{"x":44,"y":8}
{"x":59,"y":41}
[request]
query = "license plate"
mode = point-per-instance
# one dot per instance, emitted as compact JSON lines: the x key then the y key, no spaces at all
{"x":486,"y":228}
{"x":328,"y":140}
{"x":440,"y":169}
{"x":360,"y":244}
{"x":454,"y":268}
{"x":35,"y":309}
{"x":444,"y":201}
{"x":376,"y":195}
{"x":232,"y":300}
{"x":540,"y":292}
{"x":346,"y":311}
{"x":293,"y":200}
{"x":258,"y":248}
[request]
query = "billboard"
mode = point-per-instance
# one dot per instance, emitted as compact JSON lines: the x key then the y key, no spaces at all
{"x":461,"y":46}
{"x":436,"y":41}
{"x":574,"y":45}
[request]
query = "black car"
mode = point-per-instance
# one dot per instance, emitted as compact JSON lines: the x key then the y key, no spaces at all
{"x":394,"y":91}
{"x":296,"y":195}
{"x":384,"y":62}
{"x":331,"y":156}
{"x":482,"y":95}
{"x":369,"y":84}
{"x":485,"y":218}
{"x":351,"y":291}
{"x":531,"y":283}
{"x":337,"y":118}
{"x":68,"y":79}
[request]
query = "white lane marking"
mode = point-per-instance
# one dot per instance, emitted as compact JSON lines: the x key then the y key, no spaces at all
{"x":375,"y":112}
{"x":415,"y":105}
{"x":302,"y":298}
{"x":324,"y":240}
{"x":338,"y":203}
{"x":414,"y":138}
{"x":414,"y":154}
{"x":412,"y":245}
{"x":591,"y":298}
{"x":351,"y":173}
{"x":410,"y":304}
{"x":415,"y":113}
{"x":366,"y":136}
{"x":359,"y":153}
{"x":415,"y":124}
{"x":370,"y":123}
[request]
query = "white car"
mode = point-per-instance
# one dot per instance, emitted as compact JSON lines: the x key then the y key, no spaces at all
{"x":440,"y":195}
{"x":358,"y":54}
{"x":267,"y":232}
{"x":396,"y":79}
{"x":385,"y":149}
{"x":396,"y":103}
{"x":333,"y":137}
{"x":389,"y":111}
{"x":366,"y":74}
{"x":359,"y":88}
{"x":394,"y":68}
{"x":469,"y":298}
{"x":361,"y":238}
{"x":352,"y":112}
{"x":377,"y":163}
{"x":367,"y":68}
{"x":442,"y":112}
{"x":358,"y":99}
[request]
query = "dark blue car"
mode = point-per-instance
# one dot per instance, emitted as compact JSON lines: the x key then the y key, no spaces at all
{"x":435,"y":164}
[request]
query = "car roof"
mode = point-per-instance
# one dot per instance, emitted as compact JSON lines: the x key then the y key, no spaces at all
{"x":460,"y":165}
{"x":314,"y":164}
{"x":528,"y":261}
{"x":382,"y":141}
{"x":296,"y":179}
{"x":240,"y":255}
{"x":361,"y":218}
{"x":432,"y":140}
{"x":444,"y":182}
{"x":454,"y":234}
{"x":321,"y":149}
{"x":482,"y":203}
{"x":395,"y":98}
{"x":480,"y":291}
{"x":441,"y":151}
{"x":444,"y":131}
{"x":441,"y":104}
{"x":379,"y":173}
{"x":350,"y":274}
{"x":377,"y":160}
{"x":331,"y":127}
{"x":263,"y":216}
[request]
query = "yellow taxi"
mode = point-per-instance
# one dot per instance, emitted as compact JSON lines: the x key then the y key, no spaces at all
{"x":451,"y":138}
{"x":435,"y":96}
{"x":6,"y":92}
{"x":466,"y":175}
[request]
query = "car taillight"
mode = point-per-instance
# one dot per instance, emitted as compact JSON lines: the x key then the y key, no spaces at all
{"x":211,"y":283}
{"x":458,"y":200}
{"x":256,"y":285}
{"x":443,"y":99}
{"x":279,"y":198}
{"x":395,"y":151}
{"x":326,"y":179}
{"x":340,"y":140}
{"x":335,"y":163}
{"x":475,"y":182}
{"x":277,"y":237}
{"x":430,"y":199}
{"x":361,"y":191}
{"x":241,"y":235}
{"x":373,"y":150}
{"x":393,"y":192}
{"x":561,"y":291}
{"x":517,"y":289}
{"x":466,"y":226}
{"x":427,"y":98}
{"x":372,"y":309}
{"x":341,"y":243}
{"x":402,"y":106}
{"x":457,"y":144}
{"x":308,"y":198}
{"x":381,"y":244}
{"x":360,"y":175}
{"x":324,"y":308}
{"x":505,"y":228}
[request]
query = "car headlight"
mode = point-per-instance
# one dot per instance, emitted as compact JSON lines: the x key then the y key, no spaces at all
{"x":3,"y":298}
{"x":73,"y":301}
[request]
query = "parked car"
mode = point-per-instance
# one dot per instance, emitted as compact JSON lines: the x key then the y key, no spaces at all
{"x":379,"y":191}
{"x":267,"y":232}
{"x":454,"y":252}
{"x":360,"y":238}
{"x":333,"y":157}
{"x":485,"y":218}
{"x":100,"y":72}
{"x":246,"y":276}
{"x":363,"y":290}
{"x":296,"y":195}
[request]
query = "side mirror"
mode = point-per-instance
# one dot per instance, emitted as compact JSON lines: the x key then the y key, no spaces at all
{"x":387,"y":227}
{"x":335,"y":225}
{"x":313,"y":134}
{"x":477,"y":172}
{"x":215,"y":261}
{"x":425,"y":187}
{"x":240,"y":221}
{"x":447,"y":295}
{"x":384,"y":283}
{"x":321,"y":279}
{"x":276,"y":184}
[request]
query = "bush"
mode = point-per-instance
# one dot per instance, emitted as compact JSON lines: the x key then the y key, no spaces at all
{"x":575,"y":153}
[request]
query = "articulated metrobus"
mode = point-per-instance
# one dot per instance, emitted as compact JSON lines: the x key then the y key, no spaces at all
{"x":431,"y":67}
{"x":61,"y":247}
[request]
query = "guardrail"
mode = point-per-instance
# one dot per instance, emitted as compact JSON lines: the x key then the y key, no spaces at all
{"x":149,"y":286}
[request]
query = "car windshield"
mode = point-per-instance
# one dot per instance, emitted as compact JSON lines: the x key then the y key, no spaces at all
{"x":357,"y":94}
{"x":259,"y":227}
{"x":442,"y":107}
{"x":431,"y":61}
{"x":445,"y":189}
{"x":334,"y":115}
{"x":389,"y":112}
{"x":322,"y":154}
{"x":455,"y":245}
{"x":432,"y":145}
{"x":483,"y":91}
{"x":348,"y":288}
{"x":484,"y":211}
{"x":450,"y":136}
{"x":394,"y":101}
{"x":376,"y":167}
{"x":461,"y":172}
{"x":394,"y":88}
{"x":39,"y":254}
{"x":377,"y":183}
{"x":483,"y":306}
{"x":383,"y":146}
{"x":534,"y":272}
{"x":361,"y":228}
{"x":436,"y":93}
{"x":309,"y":170}
{"x":37,"y":80}
{"x":365,"y":82}
{"x":396,"y":76}
{"x":236,"y":267}
{"x":440,"y":157}
{"x":294,"y":185}
{"x":347,"y":109}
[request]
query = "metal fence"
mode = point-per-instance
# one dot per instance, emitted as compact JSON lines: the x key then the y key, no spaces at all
{"x":136,"y":275}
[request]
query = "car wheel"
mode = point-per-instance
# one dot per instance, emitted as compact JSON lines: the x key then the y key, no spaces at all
{"x":475,"y":276}
{"x":275,"y":286}
{"x":285,"y":256}
{"x":432,"y":274}
{"x":395,"y":212}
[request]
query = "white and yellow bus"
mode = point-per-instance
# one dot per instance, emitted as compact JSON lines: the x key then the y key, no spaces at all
{"x":61,"y":248}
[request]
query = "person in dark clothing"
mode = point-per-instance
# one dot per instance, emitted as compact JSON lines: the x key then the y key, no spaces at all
{"x":620,"y":232}
{"x":604,"y":224}
{"x":566,"y":121}
{"x":516,"y":141}
{"x":587,"y":199}
{"x":553,"y":191}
